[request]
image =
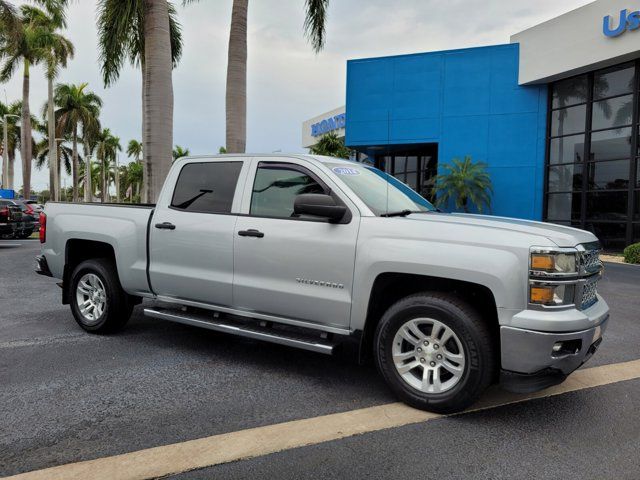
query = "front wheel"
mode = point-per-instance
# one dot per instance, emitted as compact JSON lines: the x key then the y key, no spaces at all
{"x":98,"y":302}
{"x":435,"y":352}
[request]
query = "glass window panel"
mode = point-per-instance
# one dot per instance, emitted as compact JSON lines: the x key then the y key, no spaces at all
{"x":568,"y":120}
{"x":607,"y":206}
{"x":206,"y":187}
{"x":566,"y":149}
{"x":563,"y":206}
{"x":612,"y":236}
{"x":613,"y":82}
{"x":412,"y":164}
{"x":636,"y":233}
{"x":275,"y":189}
{"x":614,"y":112}
{"x":384,"y":164}
{"x":638,"y":173}
{"x":611,"y":144}
{"x":570,"y":91}
{"x":400,"y":164}
{"x":412,"y":180}
{"x":609,"y":175}
{"x":636,"y":205}
{"x":565,"y":178}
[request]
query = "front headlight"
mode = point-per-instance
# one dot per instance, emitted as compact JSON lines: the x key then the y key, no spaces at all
{"x":563,"y":263}
{"x":551,"y":294}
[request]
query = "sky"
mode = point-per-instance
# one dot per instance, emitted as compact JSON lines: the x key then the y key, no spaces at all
{"x":286,"y":82}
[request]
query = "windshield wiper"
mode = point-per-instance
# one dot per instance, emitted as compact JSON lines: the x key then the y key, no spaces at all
{"x":404,"y":213}
{"x":400,"y":213}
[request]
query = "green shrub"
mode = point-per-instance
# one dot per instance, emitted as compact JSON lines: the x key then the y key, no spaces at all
{"x":632,"y":253}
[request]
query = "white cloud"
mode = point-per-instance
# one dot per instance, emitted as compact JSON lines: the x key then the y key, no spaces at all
{"x":287,"y":82}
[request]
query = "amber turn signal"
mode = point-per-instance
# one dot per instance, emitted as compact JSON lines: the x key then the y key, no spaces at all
{"x":542,"y":295}
{"x":542,"y":262}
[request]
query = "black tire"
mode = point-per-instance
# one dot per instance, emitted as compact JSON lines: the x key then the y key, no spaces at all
{"x":472,"y":332}
{"x":118,"y":304}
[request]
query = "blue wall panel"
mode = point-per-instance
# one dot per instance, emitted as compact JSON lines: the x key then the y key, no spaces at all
{"x":469,"y":102}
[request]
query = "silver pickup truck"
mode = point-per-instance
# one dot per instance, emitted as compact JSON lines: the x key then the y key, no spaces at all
{"x":322,"y":254}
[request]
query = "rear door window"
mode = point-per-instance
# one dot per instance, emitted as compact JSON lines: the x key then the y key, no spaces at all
{"x":207,"y":187}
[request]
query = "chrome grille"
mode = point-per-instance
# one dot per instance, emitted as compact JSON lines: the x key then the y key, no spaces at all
{"x":590,"y":261}
{"x":590,"y":267}
{"x":589,"y":294}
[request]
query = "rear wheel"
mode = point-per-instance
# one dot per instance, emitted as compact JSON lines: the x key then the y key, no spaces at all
{"x":435,"y":352}
{"x":98,"y":302}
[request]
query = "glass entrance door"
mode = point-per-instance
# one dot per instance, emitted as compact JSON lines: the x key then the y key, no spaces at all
{"x":417,"y":169}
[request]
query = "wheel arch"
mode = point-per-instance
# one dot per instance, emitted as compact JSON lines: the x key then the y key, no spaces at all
{"x":78,"y":250}
{"x":390,"y":287}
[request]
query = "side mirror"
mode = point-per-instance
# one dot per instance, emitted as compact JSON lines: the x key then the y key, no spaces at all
{"x":318,"y":205}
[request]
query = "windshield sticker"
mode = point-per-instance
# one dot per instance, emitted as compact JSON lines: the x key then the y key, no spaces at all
{"x":346,"y":171}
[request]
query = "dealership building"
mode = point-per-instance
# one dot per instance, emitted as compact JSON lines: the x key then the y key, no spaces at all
{"x":554,"y":113}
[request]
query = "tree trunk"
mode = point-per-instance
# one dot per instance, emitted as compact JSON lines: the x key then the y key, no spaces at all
{"x":465,"y":204}
{"x":25,"y":134}
{"x":158,"y":96}
{"x":53,"y":150}
{"x":103,"y":198}
{"x":144,"y":198}
{"x":10,"y":168}
{"x":236,"y":98}
{"x":88,"y":188}
{"x":117,"y":180}
{"x":74,"y":163}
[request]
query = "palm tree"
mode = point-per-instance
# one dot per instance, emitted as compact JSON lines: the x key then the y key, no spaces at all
{"x":464,"y":182}
{"x":147,"y":33}
{"x":330,"y":145}
{"x":133,"y":177}
{"x":26,"y":43}
{"x":134,"y":150}
{"x":179,"y":152}
{"x":236,"y":97}
{"x":58,"y":50}
{"x":90,"y":182}
{"x":13,"y":139}
{"x":42,"y":155}
{"x":76,"y":108}
{"x":107,"y":149}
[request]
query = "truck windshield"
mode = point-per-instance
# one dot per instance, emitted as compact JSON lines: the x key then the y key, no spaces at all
{"x":381,"y":192}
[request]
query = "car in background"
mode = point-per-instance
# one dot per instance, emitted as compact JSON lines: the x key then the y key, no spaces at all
{"x":35,"y":206}
{"x":7,"y":222}
{"x":24,"y":216}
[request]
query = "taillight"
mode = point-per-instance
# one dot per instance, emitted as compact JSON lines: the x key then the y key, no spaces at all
{"x":4,"y":212}
{"x":29,"y":209}
{"x":43,"y":227}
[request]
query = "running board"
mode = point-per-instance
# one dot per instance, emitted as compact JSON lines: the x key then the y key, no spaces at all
{"x":225,"y":325}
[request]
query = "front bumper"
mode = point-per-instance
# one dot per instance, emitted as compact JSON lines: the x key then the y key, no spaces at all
{"x":529,"y":361}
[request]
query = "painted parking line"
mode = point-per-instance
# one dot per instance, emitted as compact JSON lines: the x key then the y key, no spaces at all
{"x":228,"y":447}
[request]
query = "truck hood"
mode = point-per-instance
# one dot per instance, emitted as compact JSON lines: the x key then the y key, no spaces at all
{"x":560,"y":235}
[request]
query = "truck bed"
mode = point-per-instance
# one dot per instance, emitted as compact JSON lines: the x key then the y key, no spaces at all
{"x":122,"y":226}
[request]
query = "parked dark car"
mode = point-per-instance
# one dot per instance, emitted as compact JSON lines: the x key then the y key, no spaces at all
{"x":23,"y":216}
{"x":7,"y":223}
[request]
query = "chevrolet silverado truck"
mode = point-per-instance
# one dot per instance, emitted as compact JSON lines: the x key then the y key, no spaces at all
{"x":321,"y":253}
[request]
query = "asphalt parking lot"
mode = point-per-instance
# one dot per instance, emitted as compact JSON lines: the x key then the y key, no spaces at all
{"x":66,"y":396}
